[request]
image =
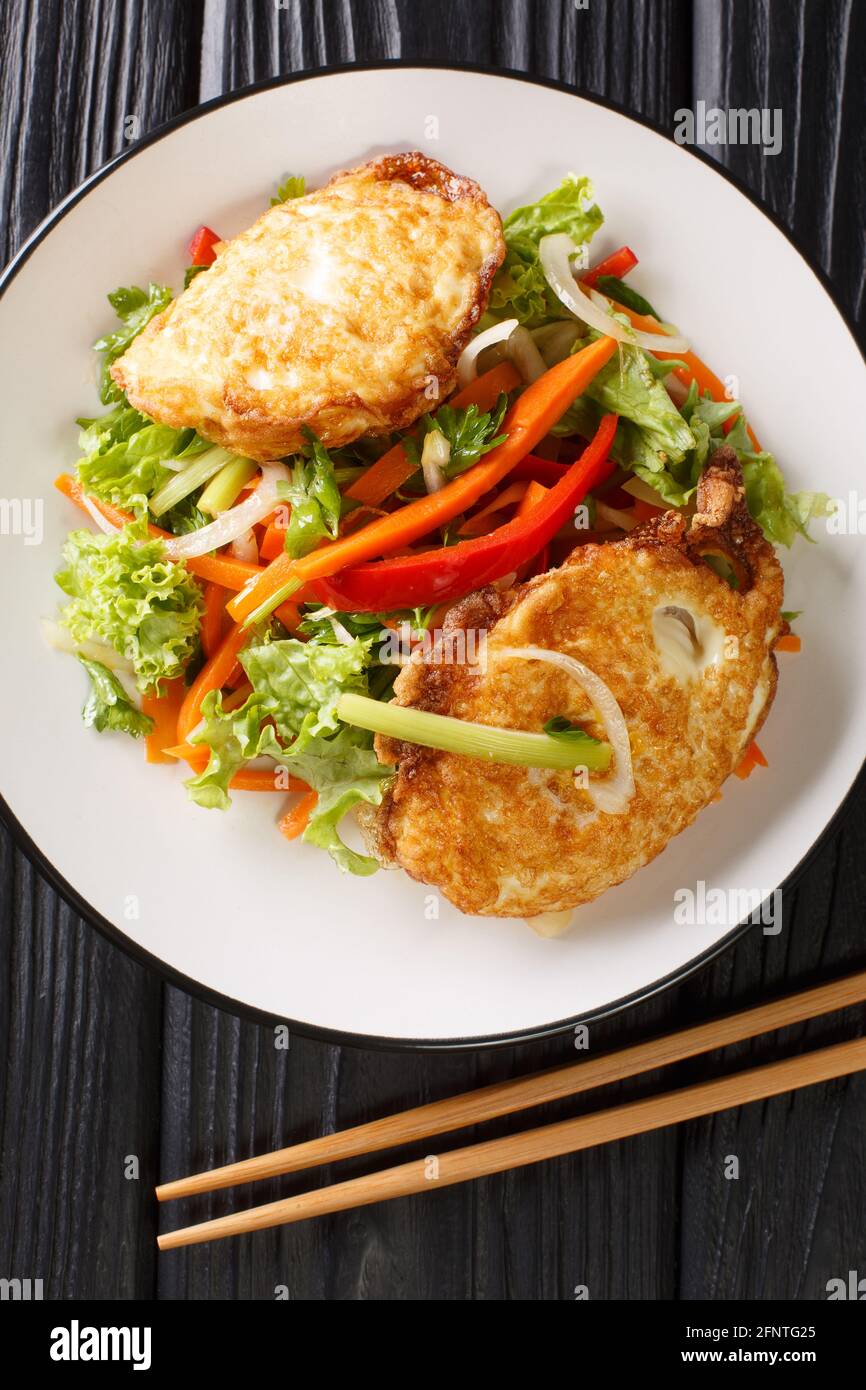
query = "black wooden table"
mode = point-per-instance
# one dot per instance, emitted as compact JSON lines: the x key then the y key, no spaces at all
{"x":102,"y":1061}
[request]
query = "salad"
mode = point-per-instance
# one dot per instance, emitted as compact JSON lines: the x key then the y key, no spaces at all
{"x":248,"y":621}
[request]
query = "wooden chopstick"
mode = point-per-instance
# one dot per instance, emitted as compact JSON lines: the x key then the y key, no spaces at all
{"x":507,"y":1097}
{"x":535,"y":1145}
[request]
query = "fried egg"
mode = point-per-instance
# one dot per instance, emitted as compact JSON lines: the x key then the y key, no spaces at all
{"x":344,"y":311}
{"x":688,"y":660}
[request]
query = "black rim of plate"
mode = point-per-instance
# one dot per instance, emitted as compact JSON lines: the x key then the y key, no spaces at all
{"x":154,"y":963}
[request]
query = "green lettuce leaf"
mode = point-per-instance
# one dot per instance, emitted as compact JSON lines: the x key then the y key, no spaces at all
{"x":301,"y":682}
{"x":135,"y":308}
{"x":108,"y":706}
{"x":191,"y":272}
{"x":781,"y":515}
{"x":233,"y":739}
{"x":654,"y":435}
{"x":652,"y":439}
{"x":519,"y":288}
{"x":124,"y":455}
{"x":126,"y":592}
{"x":291,"y":717}
{"x":343,"y":770}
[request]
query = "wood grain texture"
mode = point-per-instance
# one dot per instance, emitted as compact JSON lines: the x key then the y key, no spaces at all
{"x":79,"y":1021}
{"x":803,"y":60}
{"x":81,"y":1026}
{"x":648,"y":71}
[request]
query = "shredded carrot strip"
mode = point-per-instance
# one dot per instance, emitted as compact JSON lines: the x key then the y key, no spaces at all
{"x":273,"y":541}
{"x":163,"y":710}
{"x":220,"y":569}
{"x":752,"y":758}
{"x":535,"y":493}
{"x":250,"y":779}
{"x":515,"y":492}
{"x":214,"y":618}
{"x":212,"y":676}
{"x":790,"y":643}
{"x":295,"y":821}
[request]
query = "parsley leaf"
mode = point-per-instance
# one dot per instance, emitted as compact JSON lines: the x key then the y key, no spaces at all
{"x":135,"y":308}
{"x":563,"y":729}
{"x":469,"y":432}
{"x":315,"y":499}
{"x":295,"y":186}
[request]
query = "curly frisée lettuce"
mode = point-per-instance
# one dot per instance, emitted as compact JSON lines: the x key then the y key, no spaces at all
{"x":519,"y":288}
{"x":125,"y":592}
{"x":291,"y":717}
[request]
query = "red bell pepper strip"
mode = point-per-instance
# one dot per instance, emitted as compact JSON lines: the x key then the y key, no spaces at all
{"x":201,"y":248}
{"x":529,"y":419}
{"x":538,"y":470}
{"x":618,"y":264}
{"x":437,"y":576}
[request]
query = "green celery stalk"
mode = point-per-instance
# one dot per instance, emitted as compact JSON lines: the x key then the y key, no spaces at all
{"x":195,"y":475}
{"x":223,"y":488}
{"x":472,"y":740}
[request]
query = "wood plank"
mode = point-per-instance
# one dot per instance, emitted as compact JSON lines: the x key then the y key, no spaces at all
{"x":639,"y":56}
{"x":803,"y":59}
{"x":784,"y":1226}
{"x":79,"y":1021}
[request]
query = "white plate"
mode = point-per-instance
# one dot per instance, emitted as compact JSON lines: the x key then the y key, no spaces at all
{"x":221,"y":900}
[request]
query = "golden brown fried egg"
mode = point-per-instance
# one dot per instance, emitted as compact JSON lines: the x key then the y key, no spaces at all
{"x":344,"y":311}
{"x":689,"y":661}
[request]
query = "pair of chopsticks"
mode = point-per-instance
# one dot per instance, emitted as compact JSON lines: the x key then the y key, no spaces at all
{"x":535,"y":1145}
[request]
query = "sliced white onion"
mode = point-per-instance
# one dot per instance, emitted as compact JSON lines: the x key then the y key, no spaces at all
{"x":106,"y":526}
{"x":614,"y":516}
{"x":610,"y":794}
{"x":522,"y":351}
{"x":233,"y":523}
{"x":435,"y":457}
{"x":555,"y":253}
{"x":636,"y":487}
{"x":555,"y":340}
{"x":663,"y":341}
{"x":466,"y":368}
{"x":245,"y":548}
{"x":61,"y":639}
{"x":342,"y":633}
